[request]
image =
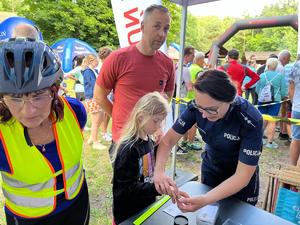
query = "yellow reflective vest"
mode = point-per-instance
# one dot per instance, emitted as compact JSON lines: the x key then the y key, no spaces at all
{"x":30,"y":189}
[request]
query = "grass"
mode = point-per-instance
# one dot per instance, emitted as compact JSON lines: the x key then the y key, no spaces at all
{"x":99,"y":175}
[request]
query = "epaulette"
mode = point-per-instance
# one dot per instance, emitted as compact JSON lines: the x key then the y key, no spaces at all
{"x":249,"y":115}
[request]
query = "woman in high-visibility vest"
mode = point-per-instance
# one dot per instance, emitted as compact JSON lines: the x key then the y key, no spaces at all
{"x":40,"y":139}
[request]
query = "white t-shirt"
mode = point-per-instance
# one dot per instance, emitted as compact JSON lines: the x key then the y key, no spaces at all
{"x":185,"y":79}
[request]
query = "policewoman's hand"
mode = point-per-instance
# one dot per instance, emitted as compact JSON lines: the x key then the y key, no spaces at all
{"x":190,"y":204}
{"x":165,"y":185}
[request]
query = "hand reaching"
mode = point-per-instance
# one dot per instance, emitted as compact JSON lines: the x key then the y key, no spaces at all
{"x":165,"y":185}
{"x":190,"y":204}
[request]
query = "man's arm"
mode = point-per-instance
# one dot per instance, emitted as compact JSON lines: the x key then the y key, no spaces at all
{"x":100,"y":96}
{"x":254,"y":77}
{"x":291,"y":90}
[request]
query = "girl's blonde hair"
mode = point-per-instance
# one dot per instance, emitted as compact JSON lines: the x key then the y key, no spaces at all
{"x":149,"y":105}
{"x":89,"y":58}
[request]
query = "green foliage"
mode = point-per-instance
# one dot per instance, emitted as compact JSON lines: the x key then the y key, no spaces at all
{"x":92,"y":21}
{"x":10,"y":5}
{"x":202,"y":31}
{"x":175,"y":12}
{"x":88,"y":20}
{"x":269,"y":39}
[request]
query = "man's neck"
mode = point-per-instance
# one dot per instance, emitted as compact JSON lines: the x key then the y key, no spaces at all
{"x":232,"y":60}
{"x":144,"y":49}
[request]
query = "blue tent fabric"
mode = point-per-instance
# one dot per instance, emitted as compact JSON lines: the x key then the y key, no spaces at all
{"x":68,"y":48}
{"x":7,"y":26}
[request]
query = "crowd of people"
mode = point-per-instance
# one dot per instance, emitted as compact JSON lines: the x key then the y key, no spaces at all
{"x":43,"y":175}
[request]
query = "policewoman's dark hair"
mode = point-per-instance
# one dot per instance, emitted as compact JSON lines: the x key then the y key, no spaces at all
{"x":217,"y":85}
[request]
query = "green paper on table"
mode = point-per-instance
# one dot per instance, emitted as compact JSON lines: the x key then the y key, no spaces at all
{"x":152,"y":210}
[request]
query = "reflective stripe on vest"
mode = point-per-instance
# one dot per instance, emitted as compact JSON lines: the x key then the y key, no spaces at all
{"x":30,"y":190}
{"x":19,"y":184}
{"x":28,"y":201}
{"x":72,"y":190}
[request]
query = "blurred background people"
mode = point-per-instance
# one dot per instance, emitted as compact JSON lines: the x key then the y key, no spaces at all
{"x":76,"y":75}
{"x":89,"y":73}
{"x":103,"y":53}
{"x":278,"y":89}
{"x":294,"y":95}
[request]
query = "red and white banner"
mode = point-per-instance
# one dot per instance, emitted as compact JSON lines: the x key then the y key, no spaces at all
{"x":128,"y":16}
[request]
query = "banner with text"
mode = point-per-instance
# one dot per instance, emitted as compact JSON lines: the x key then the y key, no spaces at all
{"x":128,"y":15}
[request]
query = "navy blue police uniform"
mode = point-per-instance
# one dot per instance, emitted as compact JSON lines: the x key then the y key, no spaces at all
{"x":236,"y":137}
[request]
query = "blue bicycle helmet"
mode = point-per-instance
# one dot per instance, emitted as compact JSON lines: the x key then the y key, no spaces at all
{"x":27,"y":65}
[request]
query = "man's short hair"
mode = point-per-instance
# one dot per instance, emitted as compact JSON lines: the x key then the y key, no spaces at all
{"x":273,"y":56}
{"x":283,"y":54}
{"x":104,"y":52}
{"x":153,"y":7}
{"x":233,"y":54}
{"x":199,"y":55}
{"x":188,"y":50}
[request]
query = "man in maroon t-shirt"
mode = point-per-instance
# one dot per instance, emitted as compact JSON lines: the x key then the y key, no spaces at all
{"x":136,"y":70}
{"x":237,"y":72}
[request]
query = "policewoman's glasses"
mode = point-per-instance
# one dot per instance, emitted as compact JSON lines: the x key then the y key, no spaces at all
{"x":208,"y":110}
{"x":36,"y":101}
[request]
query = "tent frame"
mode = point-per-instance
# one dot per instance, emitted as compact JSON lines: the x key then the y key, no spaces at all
{"x":184,"y":4}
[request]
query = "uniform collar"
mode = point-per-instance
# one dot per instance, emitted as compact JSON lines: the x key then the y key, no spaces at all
{"x":232,"y":106}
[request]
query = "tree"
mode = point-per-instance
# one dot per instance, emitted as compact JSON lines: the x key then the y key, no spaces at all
{"x":10,"y":5}
{"x":92,"y":21}
{"x":175,"y":12}
{"x":88,"y":20}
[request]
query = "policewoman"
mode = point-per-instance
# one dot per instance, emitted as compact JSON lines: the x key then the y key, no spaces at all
{"x":40,"y":139}
{"x":232,"y":129}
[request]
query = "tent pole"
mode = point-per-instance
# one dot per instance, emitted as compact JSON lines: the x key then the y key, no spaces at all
{"x":180,"y":67}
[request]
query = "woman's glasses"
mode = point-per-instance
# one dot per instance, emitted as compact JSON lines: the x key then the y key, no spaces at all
{"x":212,"y":111}
{"x":38,"y":101}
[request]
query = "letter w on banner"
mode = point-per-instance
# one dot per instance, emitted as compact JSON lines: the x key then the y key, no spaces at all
{"x":128,"y":16}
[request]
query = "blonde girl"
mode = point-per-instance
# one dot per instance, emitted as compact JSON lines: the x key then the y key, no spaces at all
{"x":89,"y":73}
{"x":133,"y":187}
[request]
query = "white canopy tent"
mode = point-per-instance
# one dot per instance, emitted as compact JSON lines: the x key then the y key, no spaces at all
{"x":184,"y":4}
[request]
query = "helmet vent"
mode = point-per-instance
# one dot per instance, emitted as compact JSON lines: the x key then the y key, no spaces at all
{"x":10,"y":59}
{"x":46,"y":65}
{"x":28,"y":58}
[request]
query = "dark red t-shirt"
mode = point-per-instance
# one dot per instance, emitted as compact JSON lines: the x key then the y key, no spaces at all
{"x":131,"y":75}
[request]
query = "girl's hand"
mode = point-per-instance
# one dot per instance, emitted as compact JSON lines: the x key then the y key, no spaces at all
{"x":190,"y":204}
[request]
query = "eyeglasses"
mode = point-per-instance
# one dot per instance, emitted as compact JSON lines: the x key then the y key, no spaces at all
{"x":37,"y":101}
{"x":208,"y":110}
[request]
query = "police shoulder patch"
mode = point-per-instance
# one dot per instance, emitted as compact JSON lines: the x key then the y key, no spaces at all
{"x":249,"y":115}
